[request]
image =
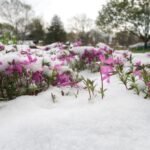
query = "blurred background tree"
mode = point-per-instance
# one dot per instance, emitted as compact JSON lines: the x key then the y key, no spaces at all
{"x":36,"y":30}
{"x":18,"y":14}
{"x":132,"y":15}
{"x":56,"y":31}
{"x":125,"y":38}
{"x":80,"y":25}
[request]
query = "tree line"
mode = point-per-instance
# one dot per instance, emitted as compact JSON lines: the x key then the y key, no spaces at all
{"x":128,"y":19}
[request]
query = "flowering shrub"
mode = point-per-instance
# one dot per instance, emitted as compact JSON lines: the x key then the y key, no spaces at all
{"x":106,"y":71}
{"x":101,"y":60}
{"x":143,"y":73}
{"x":29,"y":75}
{"x":134,"y":73}
{"x":17,"y":80}
{"x":29,"y":71}
{"x":88,"y":58}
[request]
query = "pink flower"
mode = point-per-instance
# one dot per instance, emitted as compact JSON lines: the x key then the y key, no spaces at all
{"x":138,"y":73}
{"x":14,"y":67}
{"x":18,"y":68}
{"x":106,"y":69}
{"x":2,"y":47}
{"x":1,"y":63}
{"x":109,"y":61}
{"x":9,"y":70}
{"x":118,"y":61}
{"x":106,"y":72}
{"x":57,"y":67}
{"x":66,"y":58}
{"x":77,"y":43}
{"x":106,"y":77}
{"x":25,"y":62}
{"x":63,"y":79}
{"x":37,"y":77}
{"x":138,"y":63}
{"x":102,"y":58}
{"x":31,"y":60}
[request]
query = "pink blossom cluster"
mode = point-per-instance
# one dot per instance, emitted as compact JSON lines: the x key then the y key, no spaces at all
{"x":22,"y":74}
{"x":2,"y":47}
{"x":93,"y":54}
{"x":90,"y":56}
{"x":77,"y":43}
{"x":106,"y":67}
{"x":30,"y":69}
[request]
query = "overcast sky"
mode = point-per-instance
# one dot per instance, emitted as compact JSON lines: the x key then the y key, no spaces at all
{"x":66,"y":9}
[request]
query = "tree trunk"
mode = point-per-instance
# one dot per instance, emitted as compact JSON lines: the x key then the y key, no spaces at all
{"x":145,"y":44}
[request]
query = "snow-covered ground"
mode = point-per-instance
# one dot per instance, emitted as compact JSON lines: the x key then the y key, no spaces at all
{"x":121,"y":121}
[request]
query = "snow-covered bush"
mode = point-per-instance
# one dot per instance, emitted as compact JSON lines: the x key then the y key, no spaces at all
{"x":135,"y":76}
{"x":88,"y":57}
{"x":28,"y":71}
{"x":24,"y":72}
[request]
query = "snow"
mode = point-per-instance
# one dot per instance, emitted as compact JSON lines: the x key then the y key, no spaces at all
{"x":140,"y":44}
{"x":118,"y":122}
{"x":145,"y":58}
{"x":103,"y":45}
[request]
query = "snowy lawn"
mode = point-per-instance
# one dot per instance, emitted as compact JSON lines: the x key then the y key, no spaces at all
{"x":119,"y":122}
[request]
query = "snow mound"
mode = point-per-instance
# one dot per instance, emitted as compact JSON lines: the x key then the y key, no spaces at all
{"x":103,"y":46}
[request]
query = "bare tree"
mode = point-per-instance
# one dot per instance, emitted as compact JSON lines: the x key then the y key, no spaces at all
{"x":16,"y":13}
{"x":80,"y":23}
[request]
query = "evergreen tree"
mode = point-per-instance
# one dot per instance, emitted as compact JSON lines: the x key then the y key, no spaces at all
{"x":36,"y":30}
{"x":56,"y":32}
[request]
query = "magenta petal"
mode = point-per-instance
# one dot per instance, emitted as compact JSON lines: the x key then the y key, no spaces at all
{"x":102,"y":58}
{"x":109,"y":61}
